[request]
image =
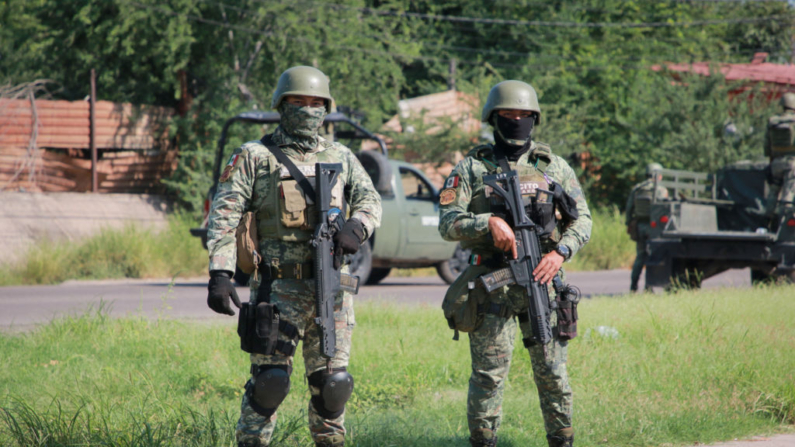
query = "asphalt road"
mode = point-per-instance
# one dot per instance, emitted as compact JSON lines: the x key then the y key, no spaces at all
{"x":26,"y":306}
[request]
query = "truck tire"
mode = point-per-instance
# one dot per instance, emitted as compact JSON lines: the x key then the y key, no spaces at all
{"x":451,"y":268}
{"x":362,"y":263}
{"x":241,"y":278}
{"x":377,"y":167}
{"x":377,"y":275}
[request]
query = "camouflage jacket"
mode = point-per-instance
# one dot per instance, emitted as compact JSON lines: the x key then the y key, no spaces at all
{"x":247,"y":183}
{"x":458,"y":222}
{"x":631,"y":210}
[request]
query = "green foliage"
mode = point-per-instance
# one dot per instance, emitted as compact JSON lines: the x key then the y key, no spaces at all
{"x":678,"y":369}
{"x":130,"y":252}
{"x":589,"y":60}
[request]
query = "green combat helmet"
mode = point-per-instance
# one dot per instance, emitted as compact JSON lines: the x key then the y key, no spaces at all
{"x":651,"y":167}
{"x":788,"y":101}
{"x":511,"y":95}
{"x":303,"y":81}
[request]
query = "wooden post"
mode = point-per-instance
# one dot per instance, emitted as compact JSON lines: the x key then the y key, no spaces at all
{"x":451,"y":77}
{"x":93,"y":131}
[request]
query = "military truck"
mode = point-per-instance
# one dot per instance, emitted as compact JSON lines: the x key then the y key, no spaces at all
{"x":408,"y":237}
{"x":714,"y":222}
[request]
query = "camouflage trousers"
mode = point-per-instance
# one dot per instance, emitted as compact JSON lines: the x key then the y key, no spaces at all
{"x":491,"y":348}
{"x":641,"y":255}
{"x":782,"y":187}
{"x":296,"y":302}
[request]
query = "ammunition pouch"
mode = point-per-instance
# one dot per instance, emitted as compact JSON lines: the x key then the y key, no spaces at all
{"x":258,"y":327}
{"x":248,"y":256}
{"x":566,"y":308}
{"x":460,"y":303}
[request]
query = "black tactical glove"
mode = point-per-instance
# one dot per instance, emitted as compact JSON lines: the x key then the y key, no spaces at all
{"x":347,"y":240}
{"x":220,"y":289}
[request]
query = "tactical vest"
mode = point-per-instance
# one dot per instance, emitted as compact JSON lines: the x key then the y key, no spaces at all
{"x":781,"y":131}
{"x":286,"y":213}
{"x":644,"y":194}
{"x":533,"y":182}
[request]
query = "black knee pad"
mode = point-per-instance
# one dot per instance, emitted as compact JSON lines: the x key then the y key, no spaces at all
{"x":335,"y":390}
{"x":268,"y":388}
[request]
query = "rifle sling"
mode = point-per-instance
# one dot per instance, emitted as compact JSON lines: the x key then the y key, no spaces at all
{"x":291,"y":167}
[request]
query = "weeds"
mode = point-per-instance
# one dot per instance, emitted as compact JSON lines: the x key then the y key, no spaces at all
{"x":129,"y":252}
{"x":694,"y":366}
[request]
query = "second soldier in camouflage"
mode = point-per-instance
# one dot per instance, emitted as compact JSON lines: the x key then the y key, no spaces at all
{"x":254,"y":180}
{"x":467,"y":215}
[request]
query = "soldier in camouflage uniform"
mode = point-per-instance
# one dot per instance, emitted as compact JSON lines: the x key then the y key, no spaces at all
{"x":254,"y":180}
{"x":780,"y":147}
{"x":466,"y":216}
{"x":638,"y":215}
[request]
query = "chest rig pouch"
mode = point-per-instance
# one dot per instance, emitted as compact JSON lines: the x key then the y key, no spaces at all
{"x":289,"y":213}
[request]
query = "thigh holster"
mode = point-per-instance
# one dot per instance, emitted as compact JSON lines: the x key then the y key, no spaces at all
{"x":334,"y":391}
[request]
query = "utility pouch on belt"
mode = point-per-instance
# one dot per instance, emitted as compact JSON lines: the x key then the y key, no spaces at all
{"x":460,"y":304}
{"x":247,"y":248}
{"x":566,"y":301}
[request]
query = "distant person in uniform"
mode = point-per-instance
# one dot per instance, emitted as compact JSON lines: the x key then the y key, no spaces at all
{"x":780,"y":147}
{"x":638,"y":217}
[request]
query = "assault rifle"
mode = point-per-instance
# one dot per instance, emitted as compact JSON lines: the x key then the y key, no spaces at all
{"x":528,"y":249}
{"x":328,"y":280}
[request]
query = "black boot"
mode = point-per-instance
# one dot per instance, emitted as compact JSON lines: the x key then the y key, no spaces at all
{"x":490,"y":440}
{"x":254,"y":443}
{"x":331,"y":441}
{"x":560,"y":441}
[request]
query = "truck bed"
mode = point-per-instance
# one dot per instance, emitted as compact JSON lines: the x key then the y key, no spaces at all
{"x":720,"y":235}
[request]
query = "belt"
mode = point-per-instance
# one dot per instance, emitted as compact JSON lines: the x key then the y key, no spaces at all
{"x":500,"y":310}
{"x":288,"y":271}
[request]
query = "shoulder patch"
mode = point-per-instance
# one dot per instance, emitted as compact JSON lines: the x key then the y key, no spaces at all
{"x":447,"y":196}
{"x":231,"y":165}
{"x":452,"y":181}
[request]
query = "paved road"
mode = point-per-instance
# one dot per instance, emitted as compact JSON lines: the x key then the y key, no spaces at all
{"x":24,"y":307}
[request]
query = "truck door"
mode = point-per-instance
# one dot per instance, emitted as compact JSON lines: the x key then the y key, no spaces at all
{"x":422,"y":217}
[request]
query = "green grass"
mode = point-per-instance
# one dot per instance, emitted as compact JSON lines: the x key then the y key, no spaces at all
{"x":610,"y":246}
{"x":687,"y":367}
{"x":130,"y":252}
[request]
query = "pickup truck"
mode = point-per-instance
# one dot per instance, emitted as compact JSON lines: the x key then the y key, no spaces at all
{"x":714,"y":222}
{"x":408,"y":236}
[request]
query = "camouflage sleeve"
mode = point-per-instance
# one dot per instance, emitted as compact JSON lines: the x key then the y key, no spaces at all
{"x":361,"y":195}
{"x":456,"y":223}
{"x":230,"y":202}
{"x":629,"y":210}
{"x":578,"y":233}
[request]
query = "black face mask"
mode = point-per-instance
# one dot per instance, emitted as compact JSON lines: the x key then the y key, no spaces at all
{"x":515,"y":132}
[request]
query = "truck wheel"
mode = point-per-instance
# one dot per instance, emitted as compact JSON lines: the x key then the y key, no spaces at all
{"x":451,"y":268}
{"x":377,"y":167}
{"x":241,"y":278}
{"x":362,"y":263}
{"x":378,"y":274}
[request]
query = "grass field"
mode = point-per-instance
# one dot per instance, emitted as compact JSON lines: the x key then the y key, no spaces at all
{"x":133,"y":252}
{"x":130,"y":252}
{"x":647,"y":370}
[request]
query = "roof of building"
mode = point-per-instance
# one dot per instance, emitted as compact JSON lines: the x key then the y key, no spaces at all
{"x":451,"y":104}
{"x":757,"y":70}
